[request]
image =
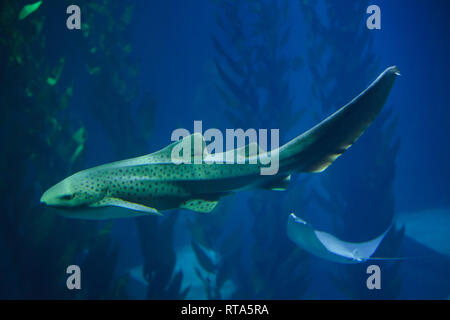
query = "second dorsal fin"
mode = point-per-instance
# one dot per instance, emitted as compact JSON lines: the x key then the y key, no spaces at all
{"x":244,"y":152}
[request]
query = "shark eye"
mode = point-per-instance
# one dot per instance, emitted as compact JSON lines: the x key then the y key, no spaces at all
{"x":68,"y":196}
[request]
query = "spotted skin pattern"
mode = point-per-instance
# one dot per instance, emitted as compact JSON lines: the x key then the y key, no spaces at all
{"x":156,"y":182}
{"x":151,"y":184}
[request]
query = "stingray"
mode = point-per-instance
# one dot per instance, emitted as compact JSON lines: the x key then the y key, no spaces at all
{"x":328,"y":247}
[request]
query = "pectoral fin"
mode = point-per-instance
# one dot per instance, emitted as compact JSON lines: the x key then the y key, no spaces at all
{"x":199,"y":205}
{"x":117,"y":202}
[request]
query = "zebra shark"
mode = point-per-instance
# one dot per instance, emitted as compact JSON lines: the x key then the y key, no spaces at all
{"x":153,"y":183}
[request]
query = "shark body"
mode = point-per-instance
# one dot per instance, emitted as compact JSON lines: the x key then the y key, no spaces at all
{"x":153,"y":183}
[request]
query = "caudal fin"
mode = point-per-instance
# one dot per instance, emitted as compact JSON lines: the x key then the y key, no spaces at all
{"x":317,"y":148}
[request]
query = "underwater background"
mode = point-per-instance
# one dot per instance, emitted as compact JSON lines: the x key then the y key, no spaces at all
{"x":137,"y":70}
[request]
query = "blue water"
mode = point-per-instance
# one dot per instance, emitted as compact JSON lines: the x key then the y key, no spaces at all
{"x":374,"y":183}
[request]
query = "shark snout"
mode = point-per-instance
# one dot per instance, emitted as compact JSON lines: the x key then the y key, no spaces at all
{"x":56,"y":195}
{"x":44,"y":198}
{"x":50,"y":197}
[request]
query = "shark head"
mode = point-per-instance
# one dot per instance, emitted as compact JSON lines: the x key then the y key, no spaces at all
{"x":86,"y":195}
{"x":78,"y":190}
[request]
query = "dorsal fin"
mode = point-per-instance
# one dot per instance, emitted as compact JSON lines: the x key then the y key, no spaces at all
{"x":165,"y":154}
{"x":195,"y":142}
{"x":194,"y":145}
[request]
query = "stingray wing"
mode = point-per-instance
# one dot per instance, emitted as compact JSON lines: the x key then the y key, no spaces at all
{"x":329,"y":247}
{"x":351,"y":250}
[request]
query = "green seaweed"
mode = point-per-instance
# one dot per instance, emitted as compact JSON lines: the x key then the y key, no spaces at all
{"x":39,"y":143}
{"x":217,"y":268}
{"x":118,"y":83}
{"x":29,"y":9}
{"x":206,"y":263}
{"x":79,"y":137}
{"x":159,"y":260}
{"x":254,"y":84}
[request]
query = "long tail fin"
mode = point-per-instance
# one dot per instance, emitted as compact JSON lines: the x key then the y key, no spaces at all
{"x":317,"y":148}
